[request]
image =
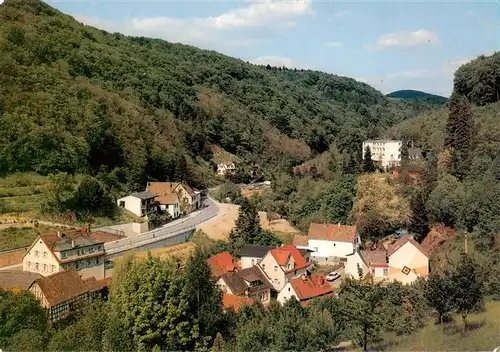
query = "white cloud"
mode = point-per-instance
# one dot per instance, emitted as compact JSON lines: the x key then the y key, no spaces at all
{"x":341,"y":13}
{"x":335,"y":44}
{"x":409,"y":74}
{"x":405,"y":39}
{"x":255,"y":22}
{"x":279,"y":61}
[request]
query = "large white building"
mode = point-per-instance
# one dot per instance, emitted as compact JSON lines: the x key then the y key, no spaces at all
{"x":385,"y":152}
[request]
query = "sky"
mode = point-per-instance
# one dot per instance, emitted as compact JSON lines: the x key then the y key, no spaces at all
{"x":387,"y":44}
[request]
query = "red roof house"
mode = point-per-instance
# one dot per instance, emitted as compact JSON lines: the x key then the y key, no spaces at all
{"x":305,"y":288}
{"x":222,"y":263}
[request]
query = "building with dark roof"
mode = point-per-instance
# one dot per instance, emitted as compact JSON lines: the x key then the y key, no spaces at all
{"x":252,"y":254}
{"x":140,"y":204}
{"x":249,"y":282}
{"x":17,"y":281}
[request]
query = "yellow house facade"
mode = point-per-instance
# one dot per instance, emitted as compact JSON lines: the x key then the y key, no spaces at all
{"x":407,"y":260}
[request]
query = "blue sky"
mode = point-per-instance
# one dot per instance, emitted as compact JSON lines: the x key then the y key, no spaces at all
{"x":390,"y":45}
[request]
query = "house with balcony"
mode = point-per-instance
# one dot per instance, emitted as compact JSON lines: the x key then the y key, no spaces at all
{"x":331,"y":243}
{"x":189,"y":199}
{"x":140,"y":203}
{"x":250,"y":283}
{"x":61,"y":251}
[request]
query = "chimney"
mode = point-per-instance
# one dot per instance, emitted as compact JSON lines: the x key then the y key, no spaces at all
{"x":339,"y":224}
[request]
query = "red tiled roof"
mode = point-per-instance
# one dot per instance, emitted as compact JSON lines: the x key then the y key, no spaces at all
{"x":162,"y":188}
{"x":332,"y":232}
{"x":401,"y":242}
{"x":281,"y":256}
{"x":310,"y":287}
{"x":300,"y":240}
{"x":65,"y":285}
{"x":300,"y":262}
{"x":102,"y":236}
{"x":167,"y":199}
{"x":236,"y":302}
{"x":222,"y":263}
{"x":375,"y":257}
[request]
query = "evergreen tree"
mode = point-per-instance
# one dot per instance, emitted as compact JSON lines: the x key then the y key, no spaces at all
{"x":247,"y":227}
{"x":437,"y":292}
{"x":419,"y":223}
{"x":368,"y":165}
{"x":466,"y":287}
{"x":459,"y":131}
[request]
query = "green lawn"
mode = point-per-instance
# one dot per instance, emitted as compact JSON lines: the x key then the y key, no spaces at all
{"x":483,"y":336}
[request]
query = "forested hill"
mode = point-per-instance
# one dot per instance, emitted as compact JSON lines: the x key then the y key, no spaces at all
{"x":77,"y":99}
{"x":418,"y":95}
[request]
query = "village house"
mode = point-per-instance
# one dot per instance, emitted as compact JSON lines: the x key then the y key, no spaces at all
{"x":331,"y":243}
{"x":59,"y":292}
{"x":170,"y":203}
{"x":305,"y":288}
{"x":364,"y":262}
{"x":249,"y":282}
{"x":188,"y":198}
{"x":282,"y":264}
{"x":403,"y":261}
{"x":226,"y":167}
{"x":140,"y":204}
{"x":74,"y":249}
{"x":222,"y":263}
{"x":252,"y":255}
{"x":385,"y":153}
{"x":407,"y":260}
{"x":235,"y":302}
{"x":17,"y":281}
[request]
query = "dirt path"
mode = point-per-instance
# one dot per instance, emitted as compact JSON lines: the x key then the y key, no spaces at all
{"x":219,"y":227}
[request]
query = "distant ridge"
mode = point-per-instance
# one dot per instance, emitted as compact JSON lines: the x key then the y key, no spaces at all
{"x":409,"y":94}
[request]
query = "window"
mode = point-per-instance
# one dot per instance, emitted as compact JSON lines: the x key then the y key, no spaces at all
{"x":29,"y":265}
{"x":253,"y":262}
{"x":386,"y":272}
{"x":275,"y":268}
{"x":334,"y":244}
{"x":37,"y":254}
{"x":44,"y":268}
{"x":263,"y":266}
{"x":91,"y":250}
{"x":36,"y":266}
{"x":45,"y":254}
{"x":289,"y":289}
{"x":99,"y":248}
{"x":63,"y":255}
{"x":52,"y":268}
{"x":315,"y":249}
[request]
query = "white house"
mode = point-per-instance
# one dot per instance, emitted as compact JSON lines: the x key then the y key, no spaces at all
{"x":331,"y":243}
{"x":226,"y":167}
{"x":305,"y":288}
{"x":283,"y":264}
{"x":386,"y":152}
{"x":407,"y":260}
{"x":139,"y":204}
{"x":170,"y":203}
{"x":373,"y":262}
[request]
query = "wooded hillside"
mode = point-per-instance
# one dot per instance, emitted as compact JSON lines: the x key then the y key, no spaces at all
{"x":77,"y":99}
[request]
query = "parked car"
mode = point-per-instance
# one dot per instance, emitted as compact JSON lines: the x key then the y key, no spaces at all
{"x":332,"y":276}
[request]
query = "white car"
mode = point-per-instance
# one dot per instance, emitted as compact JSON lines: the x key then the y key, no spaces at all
{"x":332,"y":276}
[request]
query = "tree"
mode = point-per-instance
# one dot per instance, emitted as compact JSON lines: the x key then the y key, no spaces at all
{"x":466,"y":287}
{"x":419,"y":223}
{"x":362,"y":308}
{"x":152,"y":304}
{"x":60,"y":193}
{"x":438,"y":293}
{"x":459,"y":131}
{"x":91,"y":197}
{"x":368,"y":165}
{"x":27,"y":340}
{"x":203,"y":297}
{"x":446,"y":200}
{"x":247,"y":227}
{"x":20,"y":313}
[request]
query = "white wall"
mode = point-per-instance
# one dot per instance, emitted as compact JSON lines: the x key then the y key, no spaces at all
{"x":286,"y":293}
{"x":132,"y":204}
{"x":47,"y":263}
{"x":388,"y":153}
{"x":275,"y":274}
{"x":327,"y":249}
{"x":408,"y":255}
{"x":248,"y":262}
{"x":351,"y":267}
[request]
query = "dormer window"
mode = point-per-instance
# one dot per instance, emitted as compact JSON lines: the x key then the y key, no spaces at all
{"x":63,"y":255}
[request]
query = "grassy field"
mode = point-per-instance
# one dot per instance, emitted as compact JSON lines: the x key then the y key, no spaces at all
{"x":484,"y":334}
{"x":18,"y":237}
{"x":22,"y":195}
